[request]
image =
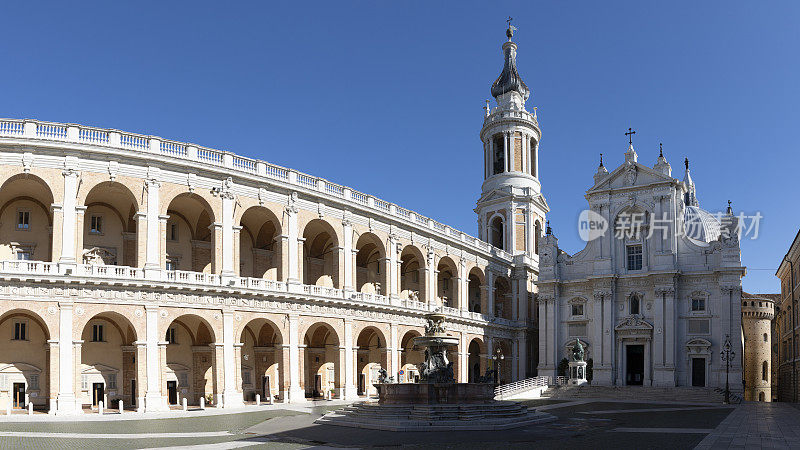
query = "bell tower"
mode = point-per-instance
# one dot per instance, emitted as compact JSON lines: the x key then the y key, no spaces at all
{"x":511,"y":210}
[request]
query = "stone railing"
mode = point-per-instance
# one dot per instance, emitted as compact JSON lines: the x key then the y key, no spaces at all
{"x":117,"y":274}
{"x":72,"y":133}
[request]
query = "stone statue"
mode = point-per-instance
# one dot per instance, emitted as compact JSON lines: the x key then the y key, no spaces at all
{"x":577,"y":351}
{"x":488,"y":377}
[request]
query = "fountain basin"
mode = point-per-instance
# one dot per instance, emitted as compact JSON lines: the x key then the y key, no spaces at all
{"x":434,"y":393}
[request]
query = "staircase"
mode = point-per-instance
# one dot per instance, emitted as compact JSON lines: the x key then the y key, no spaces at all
{"x":533,"y":387}
{"x":665,"y":394}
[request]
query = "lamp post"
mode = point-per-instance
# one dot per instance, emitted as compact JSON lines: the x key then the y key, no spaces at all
{"x":727,"y":354}
{"x":496,"y":359}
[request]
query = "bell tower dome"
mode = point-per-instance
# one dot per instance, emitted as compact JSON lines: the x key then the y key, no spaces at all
{"x":511,"y":209}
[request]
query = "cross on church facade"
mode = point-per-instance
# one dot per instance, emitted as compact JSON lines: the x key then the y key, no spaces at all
{"x":630,"y":134}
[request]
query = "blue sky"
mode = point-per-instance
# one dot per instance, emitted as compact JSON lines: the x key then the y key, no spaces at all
{"x":386,"y":97}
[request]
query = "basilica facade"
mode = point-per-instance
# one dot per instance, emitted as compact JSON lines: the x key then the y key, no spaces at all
{"x":656,"y":293}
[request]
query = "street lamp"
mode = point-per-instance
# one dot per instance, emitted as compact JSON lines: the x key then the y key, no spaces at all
{"x":496,"y":359}
{"x":727,"y":354}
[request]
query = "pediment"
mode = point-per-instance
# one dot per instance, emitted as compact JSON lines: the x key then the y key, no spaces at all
{"x":19,"y":367}
{"x":630,"y":174}
{"x":634,"y":325}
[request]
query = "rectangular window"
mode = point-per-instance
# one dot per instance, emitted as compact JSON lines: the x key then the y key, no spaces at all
{"x":634,"y":253}
{"x":173,"y":232}
{"x":183,"y":379}
{"x":246,"y":378}
{"x":415,"y":276}
{"x":445,"y":283}
{"x":577,"y":310}
{"x":20,"y":332}
{"x":172,"y":264}
{"x":84,"y":382}
{"x":34,"y":381}
{"x":97,"y":333}
{"x":112,"y":381}
{"x":24,"y":254}
{"x":23,"y":220}
{"x":96,"y":225}
{"x":171,"y":335}
{"x":698,"y":304}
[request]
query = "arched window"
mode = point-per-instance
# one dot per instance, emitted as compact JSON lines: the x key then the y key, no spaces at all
{"x":764,"y":370}
{"x":766,"y":338}
{"x":634,"y":304}
{"x":761,"y":396}
{"x":498,"y":157}
{"x":537,"y":231}
{"x":496,"y":232}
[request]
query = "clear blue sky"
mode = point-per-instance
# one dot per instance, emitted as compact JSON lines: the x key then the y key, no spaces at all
{"x":387,"y":97}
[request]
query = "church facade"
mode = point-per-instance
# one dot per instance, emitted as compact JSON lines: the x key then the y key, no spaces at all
{"x":655,"y":294}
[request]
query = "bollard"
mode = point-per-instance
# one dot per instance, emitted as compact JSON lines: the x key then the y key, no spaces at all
{"x":202,"y":403}
{"x":185,"y":407}
{"x":30,"y":409}
{"x":121,"y":407}
{"x":258,"y":400}
{"x":100,"y":407}
{"x":270,"y":399}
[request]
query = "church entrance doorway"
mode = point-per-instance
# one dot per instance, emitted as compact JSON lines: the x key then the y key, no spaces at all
{"x":698,"y":372}
{"x":172,"y":392}
{"x":634,"y":365}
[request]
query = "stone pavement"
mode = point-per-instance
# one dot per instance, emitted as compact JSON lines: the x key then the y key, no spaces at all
{"x":757,"y":425}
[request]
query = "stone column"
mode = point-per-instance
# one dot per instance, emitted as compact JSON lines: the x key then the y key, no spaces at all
{"x":490,"y":294}
{"x":80,"y":216}
{"x":349,"y":362}
{"x":349,"y":267}
{"x":162,"y":239}
{"x":233,"y":398}
{"x":154,"y":400}
{"x":394,"y":345}
{"x":522,"y":352}
{"x":296,"y":394}
{"x":141,"y":374}
{"x":67,"y":402}
{"x":237,"y":257}
{"x":514,"y":360}
{"x":507,"y":150}
{"x":463,"y":286}
{"x":228,"y":200}
{"x":53,"y":375}
{"x":393,"y":290}
{"x":431,"y":284}
{"x":69,"y":219}
{"x":670,"y":334}
{"x":544,"y":361}
{"x":648,"y":363}
{"x":463,"y":355}
{"x":153,"y":237}
{"x":293,"y":248}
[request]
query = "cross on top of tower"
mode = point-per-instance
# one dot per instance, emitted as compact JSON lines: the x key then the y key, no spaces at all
{"x":511,"y":28}
{"x":630,"y":134}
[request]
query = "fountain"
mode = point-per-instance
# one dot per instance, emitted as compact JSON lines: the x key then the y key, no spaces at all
{"x":437,"y":402}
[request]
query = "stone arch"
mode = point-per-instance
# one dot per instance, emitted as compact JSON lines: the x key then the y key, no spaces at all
{"x":190,"y":239}
{"x":108,"y":234}
{"x":476,"y":292}
{"x":262,"y":356}
{"x":413,"y":282}
{"x":371,"y":353}
{"x":24,"y":359}
{"x":447,"y":282}
{"x":503,"y":302}
{"x":321,"y":254}
{"x":476,"y":361}
{"x":25,"y":218}
{"x":321,"y":361}
{"x":504,"y":357}
{"x":410,"y":356}
{"x":191,"y":369}
{"x":497,"y":235}
{"x":371,"y":265}
{"x":260,"y":250}
{"x":108,"y":359}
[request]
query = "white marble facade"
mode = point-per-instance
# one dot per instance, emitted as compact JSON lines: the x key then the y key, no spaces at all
{"x":655,"y":294}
